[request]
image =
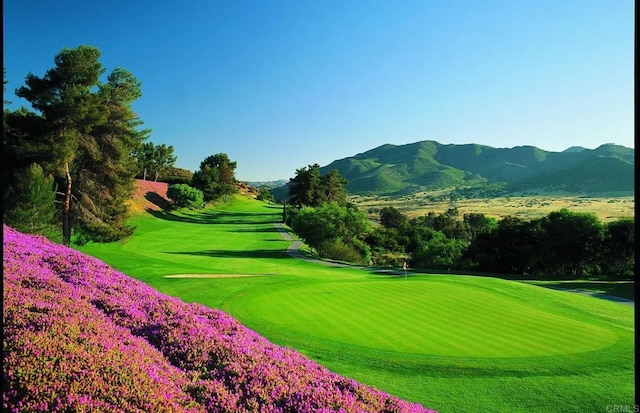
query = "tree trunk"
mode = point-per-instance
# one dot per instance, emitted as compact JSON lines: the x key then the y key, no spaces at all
{"x":66,"y":214}
{"x":284,"y":212}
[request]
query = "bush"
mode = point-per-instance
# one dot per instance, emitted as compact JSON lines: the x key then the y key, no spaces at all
{"x":338,"y":250}
{"x":184,"y":196}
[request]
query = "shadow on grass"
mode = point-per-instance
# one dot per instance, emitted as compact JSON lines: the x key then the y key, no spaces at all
{"x":624,"y":289}
{"x":215,"y":217}
{"x":236,"y":254}
{"x":157,"y":200}
{"x":249,"y":230}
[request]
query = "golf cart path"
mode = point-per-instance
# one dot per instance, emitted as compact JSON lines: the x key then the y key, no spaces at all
{"x":294,"y":251}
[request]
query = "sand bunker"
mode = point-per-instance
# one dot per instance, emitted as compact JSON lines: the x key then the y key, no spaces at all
{"x":212,"y":275}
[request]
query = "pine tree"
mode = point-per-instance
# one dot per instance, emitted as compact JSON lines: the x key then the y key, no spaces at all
{"x":32,"y":208}
{"x":90,"y":132}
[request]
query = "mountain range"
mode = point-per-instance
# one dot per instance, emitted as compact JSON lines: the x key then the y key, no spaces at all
{"x":478,"y":170}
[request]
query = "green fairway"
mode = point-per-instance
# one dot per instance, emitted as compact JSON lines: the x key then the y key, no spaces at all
{"x":453,"y":343}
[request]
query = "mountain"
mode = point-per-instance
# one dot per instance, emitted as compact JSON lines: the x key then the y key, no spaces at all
{"x":575,"y":149}
{"x":484,"y":170}
{"x":267,"y":184}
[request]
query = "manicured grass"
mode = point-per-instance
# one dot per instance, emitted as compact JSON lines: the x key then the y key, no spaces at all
{"x":453,"y":343}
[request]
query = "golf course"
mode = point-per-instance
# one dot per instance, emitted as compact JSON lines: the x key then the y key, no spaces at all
{"x":454,"y":343}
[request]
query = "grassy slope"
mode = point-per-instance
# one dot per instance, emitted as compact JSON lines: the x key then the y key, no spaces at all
{"x":450,"y":342}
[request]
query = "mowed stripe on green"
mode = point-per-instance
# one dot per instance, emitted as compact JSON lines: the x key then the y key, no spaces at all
{"x":426,"y":317}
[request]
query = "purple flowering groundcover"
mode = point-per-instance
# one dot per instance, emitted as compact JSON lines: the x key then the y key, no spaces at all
{"x":81,"y":336}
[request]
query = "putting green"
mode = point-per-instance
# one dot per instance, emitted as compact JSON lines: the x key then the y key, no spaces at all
{"x":426,"y":316}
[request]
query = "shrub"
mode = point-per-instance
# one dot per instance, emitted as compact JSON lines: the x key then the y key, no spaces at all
{"x":184,"y":196}
{"x":337,"y":250}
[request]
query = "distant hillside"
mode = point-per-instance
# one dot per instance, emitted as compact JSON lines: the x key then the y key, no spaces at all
{"x":481,"y":170}
{"x":267,"y":184}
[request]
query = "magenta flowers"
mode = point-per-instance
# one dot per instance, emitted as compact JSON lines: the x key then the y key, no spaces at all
{"x":81,"y":336}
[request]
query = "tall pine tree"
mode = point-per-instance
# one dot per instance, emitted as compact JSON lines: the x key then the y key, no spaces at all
{"x":90,"y":131}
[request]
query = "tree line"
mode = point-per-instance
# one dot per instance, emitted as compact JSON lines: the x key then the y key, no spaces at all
{"x":563,"y":244}
{"x":71,"y":160}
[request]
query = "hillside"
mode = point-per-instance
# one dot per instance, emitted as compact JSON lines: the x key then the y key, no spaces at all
{"x":152,"y":196}
{"x":81,"y":336}
{"x":148,"y":196}
{"x":480,"y":169}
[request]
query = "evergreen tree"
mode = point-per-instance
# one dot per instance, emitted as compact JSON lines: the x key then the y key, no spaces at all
{"x":304,"y":188}
{"x":617,"y":257}
{"x":216,"y":177}
{"x":309,"y":188}
{"x":332,"y":188}
{"x":32,"y":208}
{"x":156,"y":159}
{"x":89,"y":131}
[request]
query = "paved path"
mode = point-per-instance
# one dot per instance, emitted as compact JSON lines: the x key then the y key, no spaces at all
{"x":294,"y":251}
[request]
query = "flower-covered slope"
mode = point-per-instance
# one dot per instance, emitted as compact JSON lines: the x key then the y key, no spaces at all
{"x":81,"y":336}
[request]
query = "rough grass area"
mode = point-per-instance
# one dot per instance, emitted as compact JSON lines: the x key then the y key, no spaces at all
{"x":525,"y":207}
{"x":453,"y":343}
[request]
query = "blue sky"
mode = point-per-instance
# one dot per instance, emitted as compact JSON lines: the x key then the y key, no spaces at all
{"x":278,"y":84}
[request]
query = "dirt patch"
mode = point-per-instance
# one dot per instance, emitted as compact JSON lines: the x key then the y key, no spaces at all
{"x":212,"y":275}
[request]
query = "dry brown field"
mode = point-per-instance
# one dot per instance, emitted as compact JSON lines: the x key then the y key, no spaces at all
{"x":525,"y":207}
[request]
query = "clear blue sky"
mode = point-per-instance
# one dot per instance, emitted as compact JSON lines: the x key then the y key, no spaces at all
{"x":279,"y":84}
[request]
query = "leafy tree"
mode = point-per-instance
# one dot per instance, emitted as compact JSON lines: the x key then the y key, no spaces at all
{"x":325,"y":227}
{"x":439,"y":252}
{"x":32,"y":207}
{"x":144,"y":158}
{"x":156,"y":159}
{"x":618,"y":249}
{"x":391,"y":217}
{"x":216,"y":177}
{"x":185,"y":196}
{"x":163,"y":160}
{"x":477,"y":224}
{"x":570,"y":242}
{"x":387,"y":246}
{"x":450,"y":225}
{"x":178,"y":175}
{"x":512,"y":248}
{"x":265,"y":194}
{"x":384,"y":240}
